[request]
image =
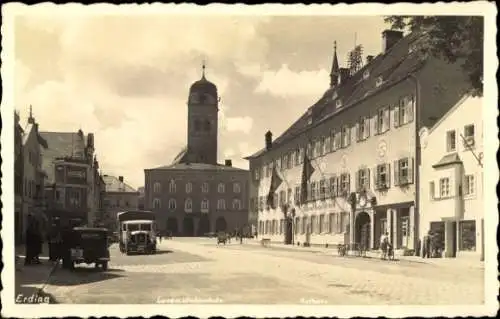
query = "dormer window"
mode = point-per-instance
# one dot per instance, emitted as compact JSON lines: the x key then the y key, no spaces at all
{"x":366,"y":74}
{"x":334,"y":95}
{"x":338,"y":104}
{"x":379,"y":81}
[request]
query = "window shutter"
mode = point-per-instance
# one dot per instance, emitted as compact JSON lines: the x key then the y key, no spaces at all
{"x":335,"y":186}
{"x":357,"y":184}
{"x":367,"y":173}
{"x":396,"y":116}
{"x":432,"y":190}
{"x":337,"y":222}
{"x":375,"y":178}
{"x":410,"y":169}
{"x":410,"y":108}
{"x":388,"y":175}
{"x":367,"y":126}
{"x":348,"y":183}
{"x":387,"y":118}
{"x":358,"y":131}
{"x":396,"y":173}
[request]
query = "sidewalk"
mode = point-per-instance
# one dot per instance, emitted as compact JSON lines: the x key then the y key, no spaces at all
{"x":30,"y":280}
{"x":445,"y":262}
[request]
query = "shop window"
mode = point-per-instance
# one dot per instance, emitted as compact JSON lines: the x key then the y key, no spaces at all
{"x":322,"y":223}
{"x":332,"y":223}
{"x":467,"y":235}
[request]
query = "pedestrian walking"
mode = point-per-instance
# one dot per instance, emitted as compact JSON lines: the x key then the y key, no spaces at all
{"x":426,"y":245}
{"x":29,"y":242}
{"x":38,"y":242}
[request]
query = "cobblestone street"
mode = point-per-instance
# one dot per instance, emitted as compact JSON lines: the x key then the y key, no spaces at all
{"x":197,"y":270}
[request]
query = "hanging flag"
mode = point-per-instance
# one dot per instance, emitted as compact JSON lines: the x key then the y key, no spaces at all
{"x":276,"y":181}
{"x":307,"y":171}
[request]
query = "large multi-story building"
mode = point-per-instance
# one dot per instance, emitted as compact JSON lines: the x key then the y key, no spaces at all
{"x":196,"y":195}
{"x":29,"y":175}
{"x":118,"y":197}
{"x":451,"y":192}
{"x":74,"y":185}
{"x":361,"y":140}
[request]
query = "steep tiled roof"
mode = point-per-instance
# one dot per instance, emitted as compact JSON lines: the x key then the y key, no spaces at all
{"x":197,"y":167}
{"x":60,"y":144}
{"x":113,"y":184}
{"x":393,"y":66}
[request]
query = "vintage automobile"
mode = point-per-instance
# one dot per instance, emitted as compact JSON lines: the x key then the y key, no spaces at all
{"x":86,"y":245}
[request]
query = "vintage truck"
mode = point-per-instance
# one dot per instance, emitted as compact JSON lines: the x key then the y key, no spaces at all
{"x":137,"y":232}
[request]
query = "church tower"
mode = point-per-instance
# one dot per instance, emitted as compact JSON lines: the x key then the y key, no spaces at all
{"x":202,"y":122}
{"x":334,"y":74}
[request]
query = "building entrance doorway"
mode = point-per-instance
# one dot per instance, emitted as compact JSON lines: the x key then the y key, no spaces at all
{"x":362,"y":230}
{"x":288,"y":231}
{"x":172,"y":227}
{"x":220,"y":224}
{"x":188,"y":226}
{"x":203,"y":225}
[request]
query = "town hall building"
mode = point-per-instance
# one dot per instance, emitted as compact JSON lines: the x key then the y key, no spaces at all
{"x":361,"y":141}
{"x":195,"y":195}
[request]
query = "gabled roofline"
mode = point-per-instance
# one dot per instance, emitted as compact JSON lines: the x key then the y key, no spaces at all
{"x":450,"y":111}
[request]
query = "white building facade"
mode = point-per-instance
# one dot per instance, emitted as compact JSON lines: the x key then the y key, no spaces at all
{"x":362,"y":140}
{"x":451,"y":192}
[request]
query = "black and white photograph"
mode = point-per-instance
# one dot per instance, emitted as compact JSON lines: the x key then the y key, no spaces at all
{"x":249,"y":160}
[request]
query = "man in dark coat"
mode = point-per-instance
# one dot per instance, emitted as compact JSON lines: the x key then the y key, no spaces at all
{"x":426,"y":245}
{"x":29,"y":242}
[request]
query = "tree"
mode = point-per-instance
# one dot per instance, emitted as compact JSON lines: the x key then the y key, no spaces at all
{"x":454,"y":38}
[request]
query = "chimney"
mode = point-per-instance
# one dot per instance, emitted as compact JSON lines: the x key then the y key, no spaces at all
{"x":120,"y":178}
{"x":229,"y":163}
{"x":344,"y":75}
{"x":369,"y":59}
{"x":269,"y":140}
{"x":389,"y":38}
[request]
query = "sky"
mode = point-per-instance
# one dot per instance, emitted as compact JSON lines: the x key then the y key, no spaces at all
{"x":126,"y":77}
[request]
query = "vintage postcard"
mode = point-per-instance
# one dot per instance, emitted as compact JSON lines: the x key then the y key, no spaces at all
{"x":263,"y":161}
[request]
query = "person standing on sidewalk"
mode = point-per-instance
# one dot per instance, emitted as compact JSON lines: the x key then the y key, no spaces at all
{"x":30,"y":242}
{"x":426,"y":245}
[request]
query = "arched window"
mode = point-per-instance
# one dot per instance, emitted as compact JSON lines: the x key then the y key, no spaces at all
{"x":189,"y":187}
{"x":221,"y":188}
{"x":207,"y":125}
{"x":156,"y":203}
{"x":188,"y":205}
{"x":172,"y":204}
{"x":221,"y":204}
{"x":204,"y":187}
{"x":204,"y":204}
{"x":197,"y":125}
{"x":236,"y":188}
{"x":236,"y":204}
{"x":156,"y":187}
{"x":171,"y":187}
